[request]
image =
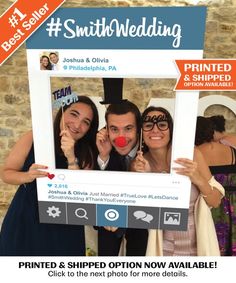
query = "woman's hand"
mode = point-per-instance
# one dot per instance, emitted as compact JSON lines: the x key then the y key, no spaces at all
{"x":199,"y":174}
{"x":188,"y":168}
{"x":12,"y":170}
{"x":68,"y":145}
{"x":140,"y":164}
{"x":35,"y":172}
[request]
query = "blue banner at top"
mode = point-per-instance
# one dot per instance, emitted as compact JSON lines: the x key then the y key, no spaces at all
{"x":122,"y":28}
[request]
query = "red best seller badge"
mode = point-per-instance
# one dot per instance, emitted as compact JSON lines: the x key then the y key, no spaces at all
{"x":20,"y":21}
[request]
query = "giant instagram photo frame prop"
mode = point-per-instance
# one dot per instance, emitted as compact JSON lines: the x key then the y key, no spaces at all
{"x":136,"y":43}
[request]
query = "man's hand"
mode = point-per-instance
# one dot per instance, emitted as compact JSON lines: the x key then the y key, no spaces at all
{"x":110,"y":228}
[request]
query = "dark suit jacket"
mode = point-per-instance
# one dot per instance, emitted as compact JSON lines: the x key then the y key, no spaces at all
{"x":116,"y":163}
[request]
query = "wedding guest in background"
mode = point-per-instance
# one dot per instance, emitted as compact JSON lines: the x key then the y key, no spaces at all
{"x":221,"y":160}
{"x":220,"y":134}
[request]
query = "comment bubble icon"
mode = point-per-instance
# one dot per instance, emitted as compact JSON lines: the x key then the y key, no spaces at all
{"x":61,"y":177}
{"x":139,"y":214}
{"x":148,"y":218}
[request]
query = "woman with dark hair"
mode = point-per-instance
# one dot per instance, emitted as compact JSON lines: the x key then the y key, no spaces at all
{"x":218,"y":122}
{"x":83,"y":149}
{"x":45,"y":63}
{"x":204,"y":131}
{"x":221,"y":160}
{"x":21,"y":233}
{"x":167,"y":119}
{"x":157,"y":128}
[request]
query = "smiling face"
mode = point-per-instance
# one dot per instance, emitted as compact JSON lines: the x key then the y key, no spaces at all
{"x":54,"y":58}
{"x":122,"y":126}
{"x":156,"y":133}
{"x":77,"y":120}
{"x":44,"y":61}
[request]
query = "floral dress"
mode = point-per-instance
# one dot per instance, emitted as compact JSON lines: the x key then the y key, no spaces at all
{"x":225,"y":215}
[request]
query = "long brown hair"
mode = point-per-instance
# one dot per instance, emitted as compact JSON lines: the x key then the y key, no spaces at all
{"x":85,"y":148}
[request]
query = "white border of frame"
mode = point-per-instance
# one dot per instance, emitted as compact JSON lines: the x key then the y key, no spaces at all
{"x":186,"y":106}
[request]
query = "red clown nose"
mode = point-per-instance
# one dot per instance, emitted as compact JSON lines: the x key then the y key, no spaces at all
{"x":120,"y":142}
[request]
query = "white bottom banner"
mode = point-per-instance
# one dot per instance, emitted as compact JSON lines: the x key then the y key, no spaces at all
{"x":103,"y":269}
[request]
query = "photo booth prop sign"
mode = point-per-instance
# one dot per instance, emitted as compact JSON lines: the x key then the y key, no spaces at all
{"x":115,"y":43}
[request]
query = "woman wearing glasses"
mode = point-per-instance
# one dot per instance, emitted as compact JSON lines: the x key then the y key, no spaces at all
{"x":200,"y":237}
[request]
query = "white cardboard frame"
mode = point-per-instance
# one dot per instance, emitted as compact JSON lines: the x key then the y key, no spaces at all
{"x":143,"y":46}
{"x":186,"y":106}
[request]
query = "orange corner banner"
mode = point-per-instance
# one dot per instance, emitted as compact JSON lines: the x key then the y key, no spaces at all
{"x":212,"y":74}
{"x":21,"y":19}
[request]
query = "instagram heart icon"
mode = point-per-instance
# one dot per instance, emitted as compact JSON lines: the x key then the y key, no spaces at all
{"x":50,"y":176}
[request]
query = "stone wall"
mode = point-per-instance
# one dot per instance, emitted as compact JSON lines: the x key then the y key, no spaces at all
{"x":15,"y":117}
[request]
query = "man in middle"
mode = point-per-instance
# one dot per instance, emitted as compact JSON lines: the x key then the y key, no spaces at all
{"x":117,"y":144}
